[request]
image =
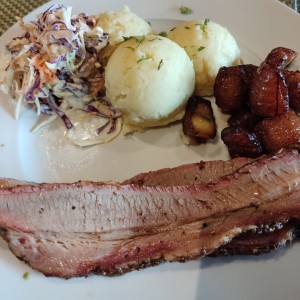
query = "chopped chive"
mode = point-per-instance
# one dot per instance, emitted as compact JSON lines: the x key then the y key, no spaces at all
{"x":138,"y":38}
{"x":131,"y":48}
{"x":163,"y":34}
{"x":204,"y":25}
{"x":143,"y":58}
{"x":160,"y":64}
{"x":153,"y":39}
{"x":126,"y":38}
{"x":200,"y":48}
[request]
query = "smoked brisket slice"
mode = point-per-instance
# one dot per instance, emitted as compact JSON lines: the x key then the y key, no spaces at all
{"x":69,"y":230}
{"x":253,"y":242}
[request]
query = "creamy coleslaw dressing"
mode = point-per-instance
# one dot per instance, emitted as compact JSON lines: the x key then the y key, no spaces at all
{"x":60,"y":154}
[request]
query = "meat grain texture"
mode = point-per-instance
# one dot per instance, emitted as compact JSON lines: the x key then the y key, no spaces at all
{"x":69,"y":230}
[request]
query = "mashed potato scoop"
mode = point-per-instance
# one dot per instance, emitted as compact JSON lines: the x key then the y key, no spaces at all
{"x":210,"y":46}
{"x":149,"y":78}
{"x":121,"y":23}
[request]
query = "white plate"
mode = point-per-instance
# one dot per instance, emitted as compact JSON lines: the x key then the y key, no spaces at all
{"x":258,"y":26}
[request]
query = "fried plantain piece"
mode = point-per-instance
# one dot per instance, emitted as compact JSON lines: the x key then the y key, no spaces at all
{"x":244,"y":119}
{"x":268,"y":92}
{"x":279,"y":132}
{"x":231,"y":88}
{"x":281,"y":57}
{"x":199,"y":121}
{"x":293,"y":84}
{"x":241,"y":143}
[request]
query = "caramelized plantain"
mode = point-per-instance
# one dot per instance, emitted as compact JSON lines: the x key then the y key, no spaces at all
{"x":244,"y":119}
{"x":281,"y":57}
{"x":259,"y":101}
{"x":241,"y":142}
{"x":268,"y":92}
{"x":280,"y":132}
{"x":231,"y":87}
{"x":293,"y":84}
{"x":199,"y":121}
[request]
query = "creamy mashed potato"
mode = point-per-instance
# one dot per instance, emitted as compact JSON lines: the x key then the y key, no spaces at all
{"x":149,"y":79}
{"x":210,"y":46}
{"x":122,"y":23}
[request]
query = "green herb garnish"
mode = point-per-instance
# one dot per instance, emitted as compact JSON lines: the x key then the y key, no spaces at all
{"x":143,"y":58}
{"x":161,"y":62}
{"x":185,"y":10}
{"x":26,"y":275}
{"x":200,"y":48}
{"x":131,"y":48}
{"x":206,"y":22}
{"x":204,"y":25}
{"x":153,"y":39}
{"x":126,"y":38}
{"x":138,"y":38}
{"x":163,"y":34}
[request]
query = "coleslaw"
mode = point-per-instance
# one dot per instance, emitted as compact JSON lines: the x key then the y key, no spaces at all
{"x":56,"y":67}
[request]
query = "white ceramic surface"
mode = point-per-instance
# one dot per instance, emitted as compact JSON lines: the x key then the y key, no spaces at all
{"x":259,"y":26}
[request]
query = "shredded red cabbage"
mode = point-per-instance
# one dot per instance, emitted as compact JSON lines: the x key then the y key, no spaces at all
{"x":60,"y":113}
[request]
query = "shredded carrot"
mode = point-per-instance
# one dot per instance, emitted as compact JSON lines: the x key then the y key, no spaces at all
{"x":39,"y":62}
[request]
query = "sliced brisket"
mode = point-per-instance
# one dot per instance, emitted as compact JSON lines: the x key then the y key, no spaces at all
{"x":69,"y":230}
